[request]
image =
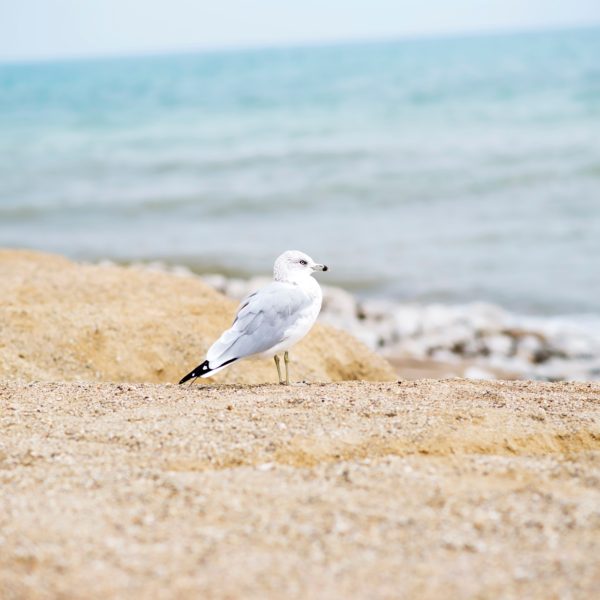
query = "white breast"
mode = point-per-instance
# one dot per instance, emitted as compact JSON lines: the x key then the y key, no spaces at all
{"x":305,"y":319}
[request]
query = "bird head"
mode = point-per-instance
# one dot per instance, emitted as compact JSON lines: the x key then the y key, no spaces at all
{"x":293,"y":265}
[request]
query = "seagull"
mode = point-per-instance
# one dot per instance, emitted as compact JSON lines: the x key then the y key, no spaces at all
{"x":271,"y":320}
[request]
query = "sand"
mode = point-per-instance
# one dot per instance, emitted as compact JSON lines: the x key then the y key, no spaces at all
{"x":449,"y":489}
{"x":63,"y":321}
{"x":115,"y":483}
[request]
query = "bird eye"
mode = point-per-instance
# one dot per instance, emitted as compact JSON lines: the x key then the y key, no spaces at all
{"x":303,"y":262}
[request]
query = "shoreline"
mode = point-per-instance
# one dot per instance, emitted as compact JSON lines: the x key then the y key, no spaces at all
{"x":477,"y":341}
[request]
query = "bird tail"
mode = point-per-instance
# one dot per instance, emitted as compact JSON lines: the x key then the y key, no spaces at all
{"x":204,"y":370}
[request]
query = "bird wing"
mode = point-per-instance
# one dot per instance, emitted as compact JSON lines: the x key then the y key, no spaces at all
{"x":261,"y":322}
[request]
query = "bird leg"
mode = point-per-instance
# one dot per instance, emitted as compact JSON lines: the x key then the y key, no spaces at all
{"x":286,"y":359}
{"x":276,"y":358}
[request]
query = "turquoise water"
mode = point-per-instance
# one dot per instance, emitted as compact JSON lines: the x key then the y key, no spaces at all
{"x":432,"y":170}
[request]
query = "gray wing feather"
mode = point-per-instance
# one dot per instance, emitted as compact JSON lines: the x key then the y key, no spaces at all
{"x":261,"y":322}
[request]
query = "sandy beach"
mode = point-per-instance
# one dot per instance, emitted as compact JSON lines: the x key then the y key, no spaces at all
{"x":117,"y":483}
{"x":440,"y":439}
{"x":357,"y":490}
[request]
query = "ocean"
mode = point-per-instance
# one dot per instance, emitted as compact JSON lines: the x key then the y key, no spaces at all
{"x":428,"y":170}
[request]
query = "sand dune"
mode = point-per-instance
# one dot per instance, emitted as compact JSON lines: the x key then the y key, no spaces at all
{"x":63,"y":321}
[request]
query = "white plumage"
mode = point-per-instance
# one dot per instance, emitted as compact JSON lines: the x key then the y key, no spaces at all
{"x":271,"y":320}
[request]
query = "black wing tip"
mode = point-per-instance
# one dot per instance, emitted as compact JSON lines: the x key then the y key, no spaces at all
{"x":197,"y":372}
{"x":204,"y":369}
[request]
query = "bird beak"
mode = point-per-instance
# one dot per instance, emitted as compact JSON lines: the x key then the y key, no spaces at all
{"x":321,"y":268}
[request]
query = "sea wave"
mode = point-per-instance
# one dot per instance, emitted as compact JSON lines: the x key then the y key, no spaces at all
{"x":439,"y":171}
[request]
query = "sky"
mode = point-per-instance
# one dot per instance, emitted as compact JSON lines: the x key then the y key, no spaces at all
{"x":48,"y":29}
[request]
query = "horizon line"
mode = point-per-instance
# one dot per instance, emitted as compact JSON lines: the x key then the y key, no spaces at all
{"x":307,"y":44}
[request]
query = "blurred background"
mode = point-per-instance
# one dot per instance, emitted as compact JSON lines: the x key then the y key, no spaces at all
{"x":435,"y":156}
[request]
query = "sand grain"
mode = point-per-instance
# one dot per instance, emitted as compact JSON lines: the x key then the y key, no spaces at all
{"x":427,"y":489}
